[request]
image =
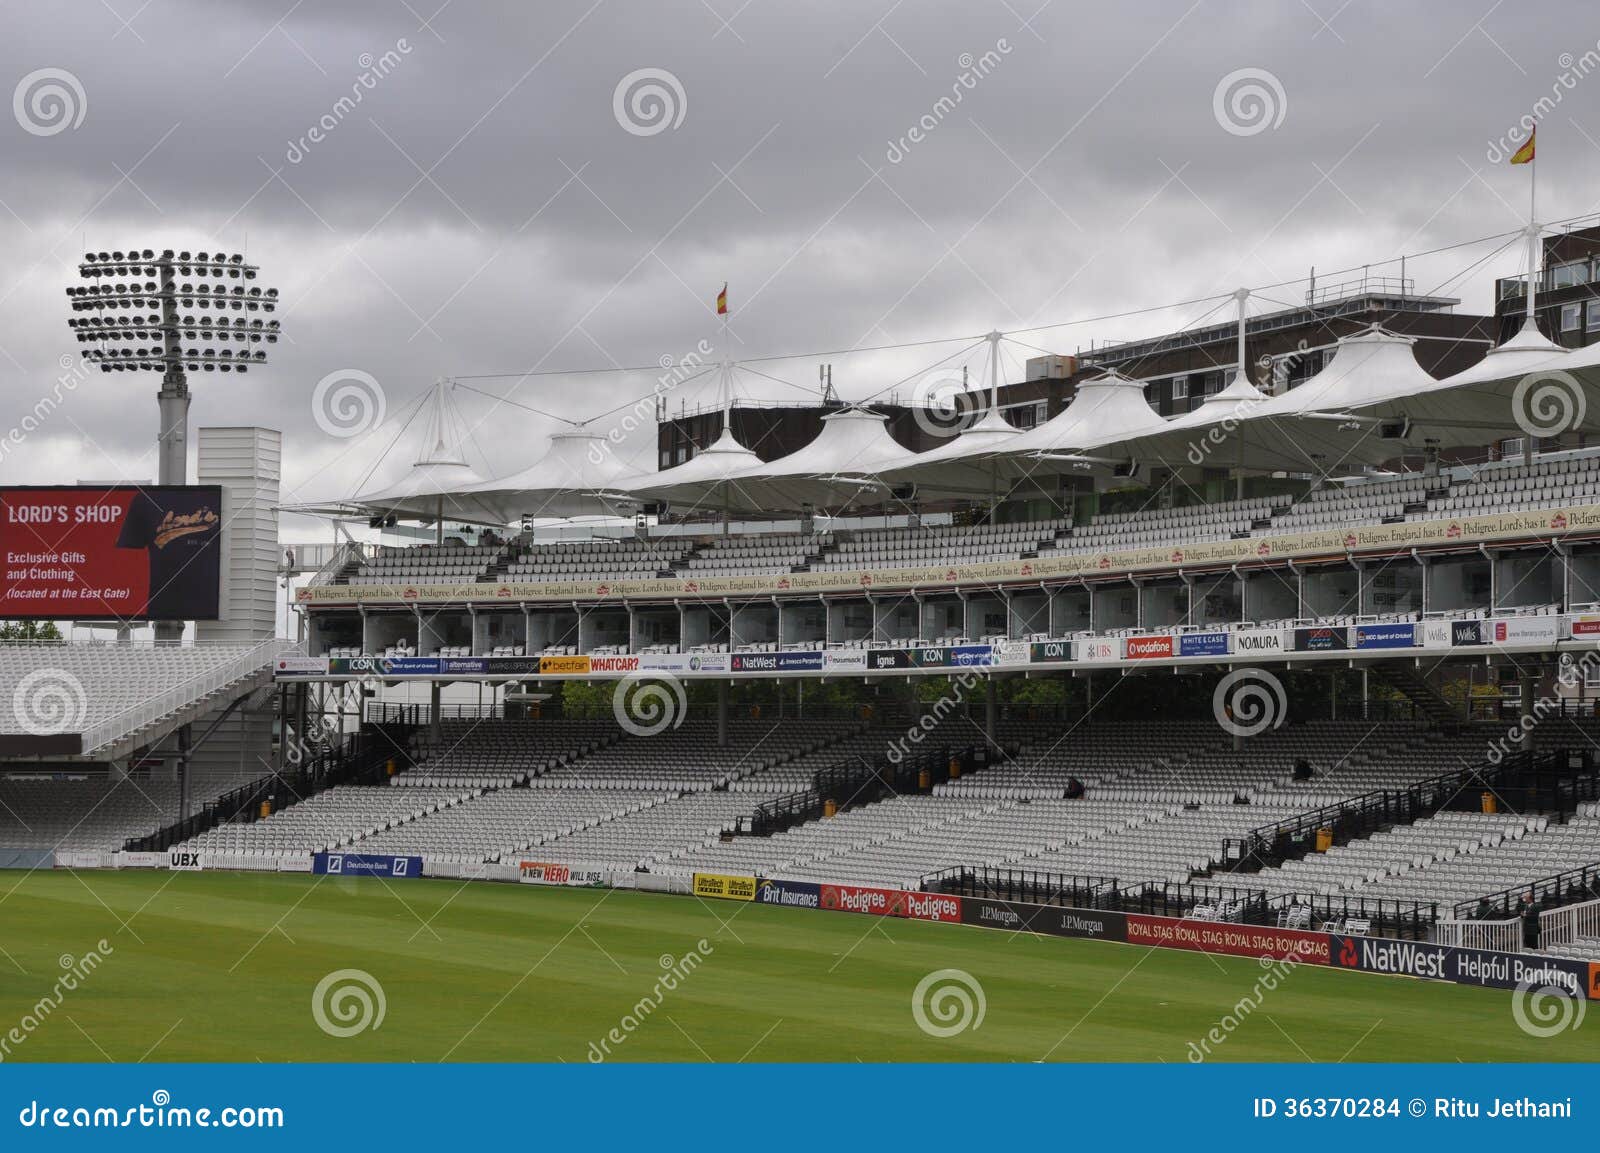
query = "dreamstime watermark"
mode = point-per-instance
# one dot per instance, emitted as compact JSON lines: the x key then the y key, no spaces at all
{"x":1516,"y":736}
{"x":348,"y":403}
{"x":676,"y":970}
{"x":973,"y":69}
{"x":1216,"y":435}
{"x":1249,"y":101}
{"x":49,"y":101}
{"x":1276,"y":970}
{"x":647,"y":410}
{"x":77,"y":969}
{"x":347,"y":1002}
{"x":947,"y":1002}
{"x":942,"y":404}
{"x":1542,"y":1009}
{"x":1573,"y":69}
{"x":49,"y":701}
{"x":646,"y":703}
{"x":74,"y":372}
{"x":901,"y":747}
{"x":1548,"y":403}
{"x":373,"y":69}
{"x":649,"y":101}
{"x":1249,"y":701}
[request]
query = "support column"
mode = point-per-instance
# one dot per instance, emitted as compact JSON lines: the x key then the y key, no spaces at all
{"x":1528,"y":727}
{"x":185,"y":734}
{"x":434,"y":689}
{"x":991,"y":708}
{"x":722,"y":714}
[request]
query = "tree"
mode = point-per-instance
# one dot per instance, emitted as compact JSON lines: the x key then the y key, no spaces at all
{"x":29,"y":631}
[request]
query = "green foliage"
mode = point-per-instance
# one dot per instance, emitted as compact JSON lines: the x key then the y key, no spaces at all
{"x":29,"y":631}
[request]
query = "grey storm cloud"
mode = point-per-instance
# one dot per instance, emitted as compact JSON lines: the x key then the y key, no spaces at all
{"x":449,"y":191}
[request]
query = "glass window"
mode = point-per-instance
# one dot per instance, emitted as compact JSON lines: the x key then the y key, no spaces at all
{"x":1591,"y":315}
{"x":1569,"y":318}
{"x":1180,"y":388}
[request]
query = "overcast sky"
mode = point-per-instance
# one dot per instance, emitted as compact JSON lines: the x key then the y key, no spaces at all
{"x":499,"y":200}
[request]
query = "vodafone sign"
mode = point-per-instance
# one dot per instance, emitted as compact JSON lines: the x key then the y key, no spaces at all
{"x":1146,"y":648}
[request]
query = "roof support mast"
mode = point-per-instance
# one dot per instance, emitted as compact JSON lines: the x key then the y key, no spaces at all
{"x":1242,"y":295}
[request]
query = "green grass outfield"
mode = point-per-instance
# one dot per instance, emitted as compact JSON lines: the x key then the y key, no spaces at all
{"x":222,"y":967}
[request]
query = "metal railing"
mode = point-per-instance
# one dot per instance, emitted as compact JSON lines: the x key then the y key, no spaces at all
{"x":1024,"y":885}
{"x":1570,"y":887}
{"x":1497,"y":936}
{"x":185,"y":693}
{"x":1567,"y":924}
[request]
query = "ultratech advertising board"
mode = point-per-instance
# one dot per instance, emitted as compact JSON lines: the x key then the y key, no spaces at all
{"x":725,"y":887}
{"x":1091,"y":924}
{"x":1321,"y":640}
{"x":1388,"y":636}
{"x":1234,"y":940}
{"x":792,"y":894}
{"x":1202,"y":644}
{"x":365,"y":865}
{"x":864,"y":899}
{"x":1149,"y":648}
{"x":1464,"y":966}
{"x":94,"y":552}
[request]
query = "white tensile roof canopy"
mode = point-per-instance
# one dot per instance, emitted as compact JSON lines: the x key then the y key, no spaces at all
{"x":836,"y":470}
{"x":565,"y":482}
{"x":703,"y":478}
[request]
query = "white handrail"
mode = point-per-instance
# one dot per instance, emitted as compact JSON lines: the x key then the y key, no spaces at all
{"x":169,"y":701}
{"x":1566,"y":924}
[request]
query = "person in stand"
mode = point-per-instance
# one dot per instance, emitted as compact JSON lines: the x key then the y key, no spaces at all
{"x":1530,"y":921}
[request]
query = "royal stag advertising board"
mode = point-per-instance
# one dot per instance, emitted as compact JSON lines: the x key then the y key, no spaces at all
{"x":87,"y":552}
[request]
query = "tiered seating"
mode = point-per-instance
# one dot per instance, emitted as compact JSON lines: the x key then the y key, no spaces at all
{"x":688,"y":759}
{"x":1498,"y":857}
{"x":505,"y":822}
{"x":659,"y":832}
{"x":111,"y":691}
{"x":86,"y":815}
{"x":1191,"y":523}
{"x":622,"y":559}
{"x":938,"y":545}
{"x":766,"y":554}
{"x":1371,"y":502}
{"x":427,"y":564}
{"x":1505,"y":485}
{"x":1097,"y":752}
{"x":494,"y":753}
{"x":328,"y":820}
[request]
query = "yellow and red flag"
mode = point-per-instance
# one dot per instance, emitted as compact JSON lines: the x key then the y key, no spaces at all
{"x":722,"y":301}
{"x":1524,"y":155}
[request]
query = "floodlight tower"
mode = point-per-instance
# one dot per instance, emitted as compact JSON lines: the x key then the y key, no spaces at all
{"x":138,"y":314}
{"x":138,"y":311}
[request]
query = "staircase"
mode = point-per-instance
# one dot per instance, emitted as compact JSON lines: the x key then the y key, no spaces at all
{"x":1403,"y":677}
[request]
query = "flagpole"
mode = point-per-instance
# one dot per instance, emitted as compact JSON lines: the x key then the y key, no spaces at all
{"x":1533,"y":231}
